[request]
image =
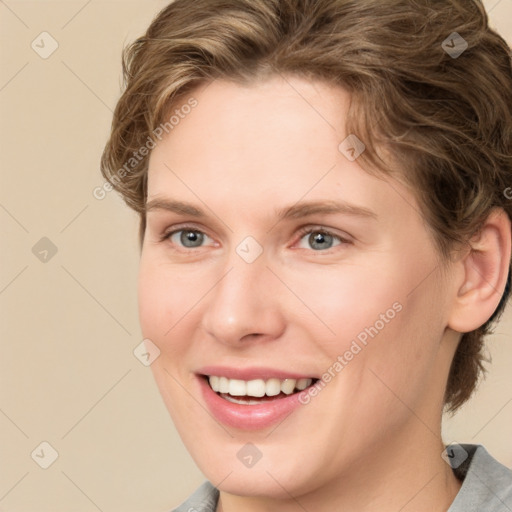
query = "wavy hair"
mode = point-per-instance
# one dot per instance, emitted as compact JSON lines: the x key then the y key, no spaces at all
{"x":445,"y":119}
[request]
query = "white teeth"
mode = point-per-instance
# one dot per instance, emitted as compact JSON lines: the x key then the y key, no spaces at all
{"x":303,"y":384}
{"x":258,"y":387}
{"x":214,"y":382}
{"x":237,"y":387}
{"x":273,"y":387}
{"x":223,"y":385}
{"x":234,"y":400}
{"x":287,"y":386}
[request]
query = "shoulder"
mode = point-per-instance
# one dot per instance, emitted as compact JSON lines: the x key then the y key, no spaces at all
{"x":204,"y":499}
{"x":486,"y":486}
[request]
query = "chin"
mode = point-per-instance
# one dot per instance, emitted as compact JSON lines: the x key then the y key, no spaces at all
{"x":258,"y":483}
{"x":274,"y":475}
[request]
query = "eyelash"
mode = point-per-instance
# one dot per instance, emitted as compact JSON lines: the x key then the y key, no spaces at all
{"x":301,"y":234}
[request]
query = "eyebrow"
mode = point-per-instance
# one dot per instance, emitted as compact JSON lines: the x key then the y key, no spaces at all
{"x":295,"y":211}
{"x":303,"y":209}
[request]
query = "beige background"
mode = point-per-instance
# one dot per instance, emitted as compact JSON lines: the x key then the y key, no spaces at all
{"x":69,"y":326}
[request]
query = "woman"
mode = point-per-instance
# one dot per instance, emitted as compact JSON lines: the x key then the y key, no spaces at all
{"x":325,"y":240}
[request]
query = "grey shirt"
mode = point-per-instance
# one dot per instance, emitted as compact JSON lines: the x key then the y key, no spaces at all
{"x":486,"y":487}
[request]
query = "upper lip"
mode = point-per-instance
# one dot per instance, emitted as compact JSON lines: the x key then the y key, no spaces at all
{"x":251,"y":373}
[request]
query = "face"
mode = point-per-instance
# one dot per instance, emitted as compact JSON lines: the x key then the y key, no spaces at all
{"x":273,"y":262}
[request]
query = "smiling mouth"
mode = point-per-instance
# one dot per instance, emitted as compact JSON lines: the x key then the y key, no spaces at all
{"x":257,"y":391}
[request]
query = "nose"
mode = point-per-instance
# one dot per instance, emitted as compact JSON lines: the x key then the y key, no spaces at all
{"x":245,"y":304}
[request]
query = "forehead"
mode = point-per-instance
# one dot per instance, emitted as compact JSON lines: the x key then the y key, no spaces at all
{"x":273,"y":116}
{"x":264,"y":146}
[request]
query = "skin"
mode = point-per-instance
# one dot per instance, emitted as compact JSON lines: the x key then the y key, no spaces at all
{"x":371,"y":439}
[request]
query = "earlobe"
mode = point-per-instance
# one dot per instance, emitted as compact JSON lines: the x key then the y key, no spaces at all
{"x":484,"y":271}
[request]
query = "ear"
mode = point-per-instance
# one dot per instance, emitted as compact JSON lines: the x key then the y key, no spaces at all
{"x":483,"y":274}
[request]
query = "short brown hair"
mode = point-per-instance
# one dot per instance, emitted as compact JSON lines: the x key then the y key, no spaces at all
{"x":446,"y":118}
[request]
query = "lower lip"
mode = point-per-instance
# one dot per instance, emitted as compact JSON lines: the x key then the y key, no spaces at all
{"x":248,"y":417}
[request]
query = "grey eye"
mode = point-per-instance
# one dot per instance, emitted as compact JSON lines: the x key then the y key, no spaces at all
{"x":319,"y":240}
{"x":188,"y":238}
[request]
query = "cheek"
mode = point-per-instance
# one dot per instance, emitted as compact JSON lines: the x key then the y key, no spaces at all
{"x":350,"y":302}
{"x":163,"y":301}
{"x":164,"y":298}
{"x":152,"y":301}
{"x":400,"y":363}
{"x":378,"y":321}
